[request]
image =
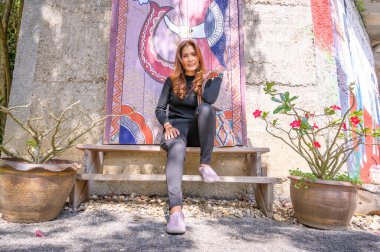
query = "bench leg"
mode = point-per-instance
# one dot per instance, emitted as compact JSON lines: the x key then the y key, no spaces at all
{"x":264,"y":192}
{"x":79,"y":193}
{"x":264,"y":198}
{"x":93,"y":163}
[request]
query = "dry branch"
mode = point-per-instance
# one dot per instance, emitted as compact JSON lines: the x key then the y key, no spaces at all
{"x":57,"y":136}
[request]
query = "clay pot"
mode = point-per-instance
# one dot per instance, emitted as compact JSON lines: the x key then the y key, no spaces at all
{"x":34,"y":192}
{"x":324,"y":204}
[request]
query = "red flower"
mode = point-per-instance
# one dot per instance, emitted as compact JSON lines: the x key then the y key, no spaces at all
{"x":296,"y":124}
{"x":317,"y":144}
{"x":355,"y":120}
{"x":315,"y":126}
{"x":257,"y":113}
{"x":344,"y":126}
{"x":335,"y":107}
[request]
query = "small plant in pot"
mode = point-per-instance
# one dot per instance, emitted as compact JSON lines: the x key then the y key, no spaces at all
{"x":34,"y":186}
{"x":322,"y":198}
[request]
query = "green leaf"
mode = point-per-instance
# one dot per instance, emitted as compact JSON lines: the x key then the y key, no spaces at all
{"x":335,"y":122}
{"x":329,"y":111}
{"x":293,"y":98}
{"x":31,"y":143}
{"x":302,"y":132}
{"x":366,"y":130}
{"x":358,"y":113}
{"x":304,"y":124}
{"x":265,"y":114}
{"x":341,"y":135}
{"x":376,"y":133}
{"x":278,"y":109}
{"x":287,"y":108}
{"x":276,"y":100}
{"x":274,"y":122}
{"x":286,"y":95}
{"x":282,"y":96}
{"x":268,"y":89}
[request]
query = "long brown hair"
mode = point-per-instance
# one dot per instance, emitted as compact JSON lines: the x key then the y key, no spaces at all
{"x":178,"y":75}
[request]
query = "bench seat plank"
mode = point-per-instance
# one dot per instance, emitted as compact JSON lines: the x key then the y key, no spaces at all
{"x":162,"y":177}
{"x":157,"y":148}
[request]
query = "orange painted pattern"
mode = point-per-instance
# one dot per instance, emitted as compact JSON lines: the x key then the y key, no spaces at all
{"x":140,"y":120}
{"x":119,"y":70}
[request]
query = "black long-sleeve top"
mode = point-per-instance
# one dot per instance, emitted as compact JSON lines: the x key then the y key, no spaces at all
{"x":183,"y":110}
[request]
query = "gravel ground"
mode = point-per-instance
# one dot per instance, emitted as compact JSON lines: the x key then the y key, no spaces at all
{"x":138,"y":224}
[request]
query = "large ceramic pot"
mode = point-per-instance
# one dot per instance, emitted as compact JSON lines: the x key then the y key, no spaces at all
{"x":34,"y":192}
{"x":323,"y":204}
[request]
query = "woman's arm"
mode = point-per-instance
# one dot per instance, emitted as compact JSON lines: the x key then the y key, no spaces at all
{"x":212,"y":88}
{"x":162,"y":103}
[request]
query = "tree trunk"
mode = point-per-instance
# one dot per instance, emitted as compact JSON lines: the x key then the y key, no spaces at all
{"x":5,"y":75}
{"x":6,"y":14}
{"x":5,"y":78}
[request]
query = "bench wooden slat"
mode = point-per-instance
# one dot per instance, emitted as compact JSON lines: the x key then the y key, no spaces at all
{"x":162,"y":177}
{"x":157,"y":148}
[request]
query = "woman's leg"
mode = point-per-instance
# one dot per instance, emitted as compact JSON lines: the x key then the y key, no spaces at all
{"x":176,"y":148}
{"x":202,"y":132}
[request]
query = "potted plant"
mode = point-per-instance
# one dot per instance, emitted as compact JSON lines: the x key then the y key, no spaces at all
{"x":322,"y":198}
{"x":34,"y":186}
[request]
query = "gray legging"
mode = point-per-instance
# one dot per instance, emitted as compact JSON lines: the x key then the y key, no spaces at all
{"x":198,"y":132}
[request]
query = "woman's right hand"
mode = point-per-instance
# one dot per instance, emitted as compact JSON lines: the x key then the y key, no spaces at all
{"x":171,"y":132}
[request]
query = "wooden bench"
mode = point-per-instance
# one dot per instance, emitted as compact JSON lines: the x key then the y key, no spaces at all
{"x":94,"y":156}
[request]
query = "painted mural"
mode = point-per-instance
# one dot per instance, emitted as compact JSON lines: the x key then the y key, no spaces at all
{"x":144,"y":36}
{"x":340,"y":34}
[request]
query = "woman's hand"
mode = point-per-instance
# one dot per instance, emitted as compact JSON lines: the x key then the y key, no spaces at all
{"x":214,"y":73}
{"x":170,"y":131}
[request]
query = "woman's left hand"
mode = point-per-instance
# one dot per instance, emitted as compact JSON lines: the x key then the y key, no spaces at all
{"x":214,"y":73}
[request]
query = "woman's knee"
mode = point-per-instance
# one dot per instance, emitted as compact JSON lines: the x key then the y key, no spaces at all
{"x":176,"y":145}
{"x":205,"y":108}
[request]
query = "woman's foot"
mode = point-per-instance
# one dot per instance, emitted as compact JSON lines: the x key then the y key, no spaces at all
{"x":208,"y":174}
{"x":176,"y":223}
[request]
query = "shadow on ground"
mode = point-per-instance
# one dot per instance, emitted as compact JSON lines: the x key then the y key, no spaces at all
{"x":104,"y":230}
{"x":309,"y":239}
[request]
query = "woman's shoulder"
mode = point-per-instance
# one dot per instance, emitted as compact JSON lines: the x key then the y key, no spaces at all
{"x":168,"y":81}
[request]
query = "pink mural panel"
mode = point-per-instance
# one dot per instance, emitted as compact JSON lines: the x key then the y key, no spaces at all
{"x":340,"y":35}
{"x":144,"y":36}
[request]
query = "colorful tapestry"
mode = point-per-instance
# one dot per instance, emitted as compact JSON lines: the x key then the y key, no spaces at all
{"x":341,"y":40}
{"x":144,"y":37}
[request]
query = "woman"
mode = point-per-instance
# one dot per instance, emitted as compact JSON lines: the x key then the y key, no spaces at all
{"x":187,"y":124}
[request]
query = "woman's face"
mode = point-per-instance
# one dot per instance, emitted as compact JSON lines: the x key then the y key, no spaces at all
{"x":190,"y":60}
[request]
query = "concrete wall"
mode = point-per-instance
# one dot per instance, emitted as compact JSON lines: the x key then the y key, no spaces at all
{"x":278,"y":47}
{"x":61,"y":58}
{"x":63,"y":53}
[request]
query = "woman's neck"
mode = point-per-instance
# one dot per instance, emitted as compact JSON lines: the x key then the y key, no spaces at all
{"x":190,"y":73}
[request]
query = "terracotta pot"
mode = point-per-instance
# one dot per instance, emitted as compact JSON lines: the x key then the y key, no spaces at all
{"x":324,"y":204}
{"x":34,"y":192}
